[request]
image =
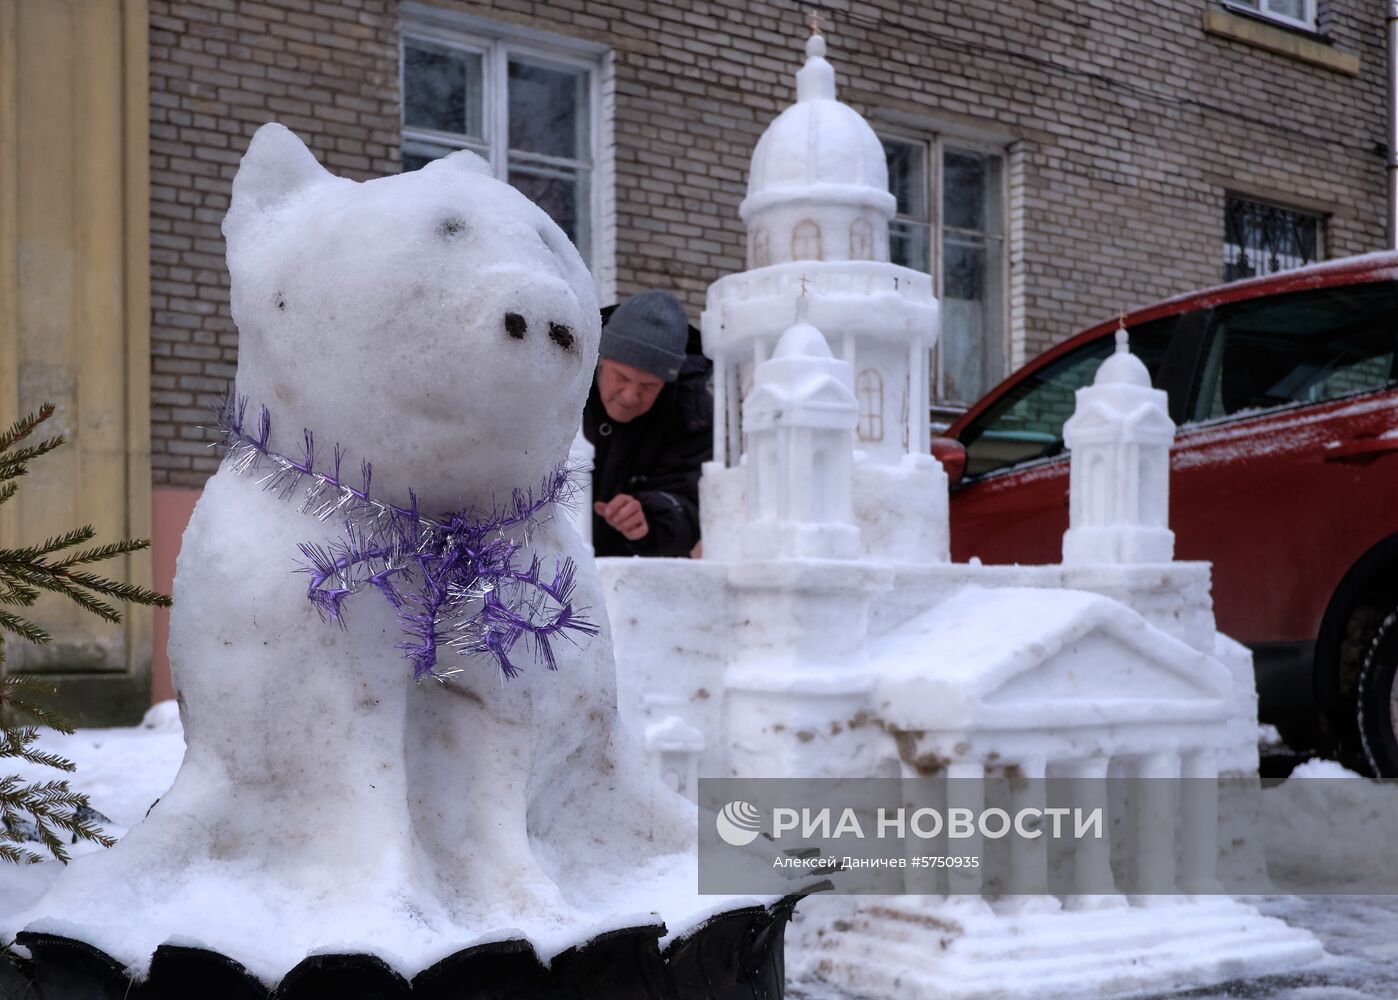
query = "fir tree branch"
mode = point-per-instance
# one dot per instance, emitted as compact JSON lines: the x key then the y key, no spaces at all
{"x":12,"y":852}
{"x":128,"y":592}
{"x":102,"y":552}
{"x":23,"y":427}
{"x":15,"y":464}
{"x":23,"y":629}
{"x":17,"y":593}
{"x":52,"y":807}
{"x":33,"y":553}
{"x":15,"y":692}
{"x":61,"y":582}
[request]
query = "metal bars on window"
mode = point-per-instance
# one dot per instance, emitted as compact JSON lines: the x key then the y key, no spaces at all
{"x":1262,"y":238}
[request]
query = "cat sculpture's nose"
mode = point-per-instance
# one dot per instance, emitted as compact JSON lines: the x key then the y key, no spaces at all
{"x":517,"y":327}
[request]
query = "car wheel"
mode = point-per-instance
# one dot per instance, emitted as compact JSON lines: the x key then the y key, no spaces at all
{"x":1378,"y":700}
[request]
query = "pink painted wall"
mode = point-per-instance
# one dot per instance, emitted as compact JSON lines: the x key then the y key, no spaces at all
{"x":170,"y":510}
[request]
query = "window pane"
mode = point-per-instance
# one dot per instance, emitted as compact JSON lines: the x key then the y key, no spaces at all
{"x":442,"y":88}
{"x":907,"y":177}
{"x":972,"y":341}
{"x":419,"y":152}
{"x":1027,"y":422}
{"x":1294,"y":9}
{"x":548,"y":110}
{"x":561,"y":192}
{"x":910,"y":244}
{"x":1300,"y":348}
{"x":971,"y":191}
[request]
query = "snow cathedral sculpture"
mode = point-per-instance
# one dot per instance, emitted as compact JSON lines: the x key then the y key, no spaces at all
{"x":412,"y":746}
{"x":825,"y":634}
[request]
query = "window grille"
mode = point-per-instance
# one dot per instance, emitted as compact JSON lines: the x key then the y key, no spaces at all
{"x":1261,"y":238}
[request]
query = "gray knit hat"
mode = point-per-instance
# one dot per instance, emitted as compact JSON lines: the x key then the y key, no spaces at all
{"x":649,"y":332}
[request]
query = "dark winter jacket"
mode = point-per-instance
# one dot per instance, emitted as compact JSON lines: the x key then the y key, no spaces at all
{"x":656,"y":458}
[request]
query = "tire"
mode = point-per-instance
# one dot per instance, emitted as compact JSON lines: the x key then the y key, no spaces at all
{"x":1378,"y":700}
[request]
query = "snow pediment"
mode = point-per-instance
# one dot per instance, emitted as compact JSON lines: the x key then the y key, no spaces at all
{"x":817,"y":399}
{"x":823,"y":390}
{"x":1094,"y":418}
{"x":1098,"y":420}
{"x":1150,"y":421}
{"x":1017,"y":658}
{"x":765,"y":400}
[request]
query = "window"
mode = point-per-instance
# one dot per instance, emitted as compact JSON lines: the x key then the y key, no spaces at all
{"x":525,"y":103}
{"x":1301,"y":348}
{"x":1261,"y":238}
{"x":1027,"y":422}
{"x":950,"y":222}
{"x":805,"y":241}
{"x":1295,"y":13}
{"x":861,"y":240}
{"x":868,"y":390}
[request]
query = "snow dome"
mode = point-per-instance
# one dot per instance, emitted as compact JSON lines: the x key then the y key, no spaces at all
{"x":1122,"y":367}
{"x":818,"y":186}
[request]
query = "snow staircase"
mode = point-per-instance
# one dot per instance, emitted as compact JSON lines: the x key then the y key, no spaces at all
{"x":963,"y":951}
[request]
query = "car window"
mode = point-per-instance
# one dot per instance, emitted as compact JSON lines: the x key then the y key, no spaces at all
{"x":1027,"y":422}
{"x":1306,"y":347}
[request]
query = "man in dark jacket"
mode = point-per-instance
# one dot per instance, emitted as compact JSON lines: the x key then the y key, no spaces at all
{"x":649,"y":417}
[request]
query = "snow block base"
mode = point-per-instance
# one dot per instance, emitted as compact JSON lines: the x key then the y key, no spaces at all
{"x":733,"y":956}
{"x":963,"y":949}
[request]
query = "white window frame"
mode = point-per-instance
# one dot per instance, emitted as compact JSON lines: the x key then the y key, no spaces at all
{"x":496,"y":42}
{"x":1263,"y":8}
{"x":945,"y":411}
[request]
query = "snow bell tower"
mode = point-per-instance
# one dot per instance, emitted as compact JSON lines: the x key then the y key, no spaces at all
{"x":1119,"y":494}
{"x":817,"y":213}
{"x":800,"y":420}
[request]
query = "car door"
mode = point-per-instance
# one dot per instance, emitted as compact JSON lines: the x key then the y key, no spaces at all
{"x":1012,"y":505}
{"x":1287,"y":471}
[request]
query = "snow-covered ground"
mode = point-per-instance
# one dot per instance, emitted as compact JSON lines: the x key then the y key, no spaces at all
{"x":125,"y":770}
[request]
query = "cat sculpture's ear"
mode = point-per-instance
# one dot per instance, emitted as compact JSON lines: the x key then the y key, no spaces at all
{"x":276,"y":167}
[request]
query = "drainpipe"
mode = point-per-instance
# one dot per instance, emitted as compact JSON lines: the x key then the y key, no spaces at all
{"x":1393,"y":124}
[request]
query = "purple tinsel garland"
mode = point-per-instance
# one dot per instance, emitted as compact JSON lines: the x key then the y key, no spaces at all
{"x":467,"y":593}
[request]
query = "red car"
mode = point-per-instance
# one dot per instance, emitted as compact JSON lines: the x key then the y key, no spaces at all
{"x":1285,"y":477}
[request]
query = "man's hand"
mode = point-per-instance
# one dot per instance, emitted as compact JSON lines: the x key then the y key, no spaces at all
{"x":624,"y":513}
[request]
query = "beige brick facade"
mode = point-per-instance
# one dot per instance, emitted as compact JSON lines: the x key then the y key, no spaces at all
{"x":1125,"y":122}
{"x":219,"y":69}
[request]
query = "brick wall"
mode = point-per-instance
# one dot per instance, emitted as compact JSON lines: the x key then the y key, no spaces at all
{"x":1125,"y":121}
{"x":219,"y":69}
